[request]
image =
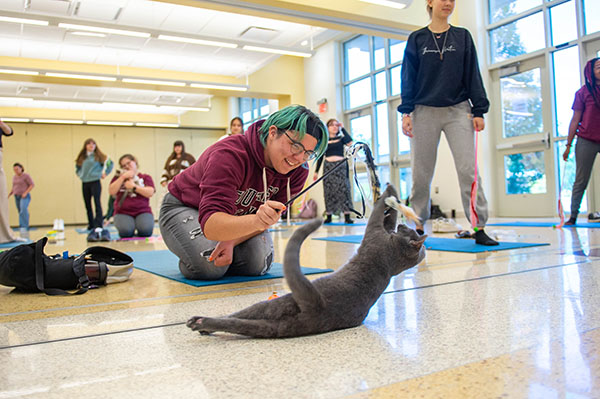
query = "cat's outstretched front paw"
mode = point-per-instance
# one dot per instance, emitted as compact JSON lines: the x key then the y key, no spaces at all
{"x":195,"y":323}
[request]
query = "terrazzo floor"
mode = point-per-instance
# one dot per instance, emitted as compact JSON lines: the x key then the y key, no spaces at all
{"x":517,"y":323}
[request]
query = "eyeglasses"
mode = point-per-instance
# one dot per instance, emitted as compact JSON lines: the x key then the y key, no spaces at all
{"x":298,"y":148}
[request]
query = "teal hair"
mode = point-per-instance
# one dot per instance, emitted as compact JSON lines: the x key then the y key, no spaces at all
{"x":300,"y":119}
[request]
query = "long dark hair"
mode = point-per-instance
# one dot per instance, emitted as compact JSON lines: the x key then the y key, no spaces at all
{"x":98,"y":155}
{"x":590,"y":80}
{"x":174,"y":154}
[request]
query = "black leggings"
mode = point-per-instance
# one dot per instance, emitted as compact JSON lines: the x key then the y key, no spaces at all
{"x":93,"y":189}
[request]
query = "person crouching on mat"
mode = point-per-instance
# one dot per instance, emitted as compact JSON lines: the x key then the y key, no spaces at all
{"x":216,"y":214}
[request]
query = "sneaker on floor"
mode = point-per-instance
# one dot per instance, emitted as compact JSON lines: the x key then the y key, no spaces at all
{"x":105,"y":235}
{"x":484,"y":239}
{"x":94,"y":235}
{"x":442,"y":225}
{"x":594,"y":217}
{"x":571,"y":222}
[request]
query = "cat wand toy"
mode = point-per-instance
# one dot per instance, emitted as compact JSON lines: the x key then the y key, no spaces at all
{"x":352,"y":152}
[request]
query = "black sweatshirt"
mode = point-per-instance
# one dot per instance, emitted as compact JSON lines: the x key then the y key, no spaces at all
{"x":427,"y":80}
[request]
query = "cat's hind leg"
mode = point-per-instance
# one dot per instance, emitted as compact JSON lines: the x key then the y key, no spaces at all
{"x":252,"y":328}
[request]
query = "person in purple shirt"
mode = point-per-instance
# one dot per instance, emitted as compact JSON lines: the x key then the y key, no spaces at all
{"x":217,"y":212}
{"x":132,"y":191}
{"x":22,"y":185}
{"x":585,"y":123}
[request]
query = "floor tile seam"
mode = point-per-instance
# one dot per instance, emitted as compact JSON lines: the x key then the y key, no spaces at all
{"x":139,"y":300}
{"x":487,"y":277}
{"x":53,"y":341}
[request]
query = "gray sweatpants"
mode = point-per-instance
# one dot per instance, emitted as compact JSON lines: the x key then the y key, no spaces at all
{"x":456,"y":122}
{"x":181,"y":232}
{"x":585,"y":155}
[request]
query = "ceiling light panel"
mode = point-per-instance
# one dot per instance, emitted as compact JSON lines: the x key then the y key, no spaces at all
{"x":399,"y":4}
{"x":202,"y":42}
{"x":98,"y":29}
{"x":277,"y":51}
{"x":19,"y":72}
{"x":77,"y":76}
{"x":153,"y":82}
{"x":27,"y":21}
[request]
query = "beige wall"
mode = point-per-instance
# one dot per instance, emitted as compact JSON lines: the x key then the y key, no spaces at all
{"x":48,"y":154}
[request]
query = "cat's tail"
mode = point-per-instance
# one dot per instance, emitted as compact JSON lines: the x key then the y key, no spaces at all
{"x":303,"y":291}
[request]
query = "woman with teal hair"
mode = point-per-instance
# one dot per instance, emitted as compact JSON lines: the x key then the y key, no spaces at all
{"x":217,"y":212}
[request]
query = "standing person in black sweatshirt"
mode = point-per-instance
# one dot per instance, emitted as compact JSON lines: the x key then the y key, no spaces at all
{"x":442,"y":90}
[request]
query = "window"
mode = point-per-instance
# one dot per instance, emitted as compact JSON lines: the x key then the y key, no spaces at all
{"x":500,"y":9}
{"x":522,"y":36}
{"x":252,"y":110}
{"x":592,"y":16}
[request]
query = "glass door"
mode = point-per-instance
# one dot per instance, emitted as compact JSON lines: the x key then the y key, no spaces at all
{"x":524,"y":156}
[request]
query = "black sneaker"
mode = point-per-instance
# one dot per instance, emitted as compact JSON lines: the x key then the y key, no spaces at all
{"x":571,"y":222}
{"x":105,"y":235}
{"x":594,"y":217}
{"x":94,"y":236}
{"x":327,"y":219}
{"x":484,"y":239}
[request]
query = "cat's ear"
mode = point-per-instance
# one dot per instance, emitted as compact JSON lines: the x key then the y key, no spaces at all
{"x":417,"y":244}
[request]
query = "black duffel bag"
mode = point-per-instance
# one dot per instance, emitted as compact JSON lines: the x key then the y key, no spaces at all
{"x":27,"y":268}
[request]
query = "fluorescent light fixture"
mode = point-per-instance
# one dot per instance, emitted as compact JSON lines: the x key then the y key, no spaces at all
{"x":277,"y":51}
{"x":91,"y":34}
{"x":15,"y":119}
{"x":16,"y":98}
{"x":197,"y":41}
{"x":23,"y":21}
{"x":109,"y":123}
{"x":387,"y":3}
{"x":75,"y":76}
{"x":218,"y":86}
{"x":175,"y":107}
{"x":149,"y":124}
{"x":19,"y":72}
{"x":104,"y":30}
{"x":128,"y":104}
{"x":154,"y":82}
{"x":63,"y":121}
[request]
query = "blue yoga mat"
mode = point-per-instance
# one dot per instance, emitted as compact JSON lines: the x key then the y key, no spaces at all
{"x":445,"y":244}
{"x":28,"y":229}
{"x":166,"y":264}
{"x":13,"y":244}
{"x":356,"y":223}
{"x":586,"y":225}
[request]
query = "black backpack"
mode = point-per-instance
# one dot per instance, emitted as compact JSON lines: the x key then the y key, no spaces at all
{"x":27,"y":268}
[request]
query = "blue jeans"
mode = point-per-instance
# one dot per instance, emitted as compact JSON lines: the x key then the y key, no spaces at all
{"x":23,"y":208}
{"x":181,"y":232}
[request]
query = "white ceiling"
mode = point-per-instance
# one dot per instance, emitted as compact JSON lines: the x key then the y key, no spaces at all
{"x":58,"y":44}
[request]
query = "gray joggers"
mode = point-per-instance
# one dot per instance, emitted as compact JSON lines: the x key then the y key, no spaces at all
{"x":585,"y":154}
{"x":183,"y":236}
{"x":457,"y":124}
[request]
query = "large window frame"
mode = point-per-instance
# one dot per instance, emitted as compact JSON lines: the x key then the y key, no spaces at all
{"x":557,"y":133}
{"x":390,"y":162}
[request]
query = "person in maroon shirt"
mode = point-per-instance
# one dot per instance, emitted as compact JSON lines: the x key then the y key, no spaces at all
{"x":217,"y":212}
{"x":585,"y":123}
{"x":132,"y":191}
{"x":22,"y":185}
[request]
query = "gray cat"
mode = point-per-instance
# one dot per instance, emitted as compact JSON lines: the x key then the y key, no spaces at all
{"x":336,"y":301}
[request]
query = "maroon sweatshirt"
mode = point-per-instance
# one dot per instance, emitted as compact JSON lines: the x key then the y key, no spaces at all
{"x":228,"y":177}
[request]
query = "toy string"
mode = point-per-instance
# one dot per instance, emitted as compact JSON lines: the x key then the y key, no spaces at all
{"x":351,"y":153}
